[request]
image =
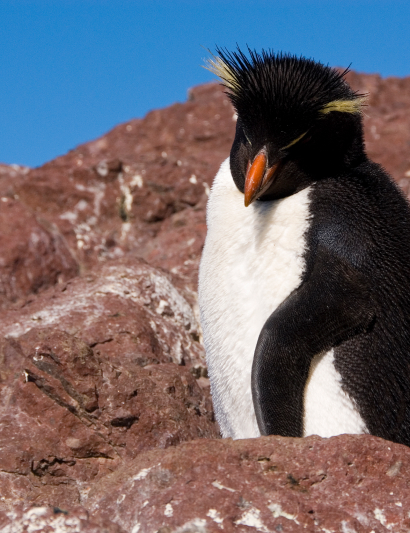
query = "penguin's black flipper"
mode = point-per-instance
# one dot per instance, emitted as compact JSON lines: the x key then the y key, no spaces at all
{"x":332,"y":305}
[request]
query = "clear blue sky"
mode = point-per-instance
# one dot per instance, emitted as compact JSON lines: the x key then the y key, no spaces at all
{"x":73,"y":69}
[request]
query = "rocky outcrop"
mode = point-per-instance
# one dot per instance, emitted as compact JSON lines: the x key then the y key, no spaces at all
{"x":94,"y":374}
{"x":105,"y":410}
{"x":346,"y":483}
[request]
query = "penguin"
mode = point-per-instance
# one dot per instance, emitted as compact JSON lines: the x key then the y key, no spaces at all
{"x":304,"y":281}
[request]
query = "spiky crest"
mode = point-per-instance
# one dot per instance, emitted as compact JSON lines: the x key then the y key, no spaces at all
{"x":274,"y":84}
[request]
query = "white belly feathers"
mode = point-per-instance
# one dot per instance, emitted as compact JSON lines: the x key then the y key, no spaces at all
{"x":252,"y":260}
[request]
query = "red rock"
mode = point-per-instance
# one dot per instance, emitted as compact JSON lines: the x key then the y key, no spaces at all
{"x":69,"y":416}
{"x":129,"y":312}
{"x":33,"y":255}
{"x":346,"y":484}
{"x":386,"y":121}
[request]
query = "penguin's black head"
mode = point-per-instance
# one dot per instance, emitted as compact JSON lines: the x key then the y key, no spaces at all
{"x":298,"y":121}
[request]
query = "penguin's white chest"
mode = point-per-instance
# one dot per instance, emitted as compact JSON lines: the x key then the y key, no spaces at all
{"x":252,"y":260}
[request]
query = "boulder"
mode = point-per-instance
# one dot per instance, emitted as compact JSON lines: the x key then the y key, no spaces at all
{"x":70,"y":415}
{"x":271,"y":484}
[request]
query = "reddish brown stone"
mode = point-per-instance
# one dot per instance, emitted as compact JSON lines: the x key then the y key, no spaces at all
{"x":129,"y":312}
{"x":386,"y":122}
{"x":68,"y":417}
{"x":342,"y":484}
{"x":33,"y":255}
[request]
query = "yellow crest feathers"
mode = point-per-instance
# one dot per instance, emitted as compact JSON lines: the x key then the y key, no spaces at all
{"x":218,"y":67}
{"x":294,"y":141}
{"x":344,"y":106}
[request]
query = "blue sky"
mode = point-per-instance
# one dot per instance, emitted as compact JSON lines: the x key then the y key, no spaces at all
{"x":73,"y":69}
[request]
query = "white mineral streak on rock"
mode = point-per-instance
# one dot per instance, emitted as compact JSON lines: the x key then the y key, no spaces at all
{"x":126,"y":191}
{"x":125,"y":229}
{"x":218,"y":485}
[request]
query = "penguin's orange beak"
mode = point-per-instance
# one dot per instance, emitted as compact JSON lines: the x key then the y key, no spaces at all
{"x":258,"y":178}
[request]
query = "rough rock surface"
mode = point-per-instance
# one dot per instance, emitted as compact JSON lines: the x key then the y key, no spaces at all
{"x":34,"y":256}
{"x":127,"y":310}
{"x":343,"y":484}
{"x":102,"y":371}
{"x":94,"y":381}
{"x":54,"y":520}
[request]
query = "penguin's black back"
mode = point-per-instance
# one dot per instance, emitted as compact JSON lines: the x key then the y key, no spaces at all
{"x":363,"y":219}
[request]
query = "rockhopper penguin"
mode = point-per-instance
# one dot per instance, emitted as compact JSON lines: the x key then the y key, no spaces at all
{"x":304,"y":283}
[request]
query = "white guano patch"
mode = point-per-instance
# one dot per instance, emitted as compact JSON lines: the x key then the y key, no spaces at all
{"x":197,"y":525}
{"x":381,"y":517}
{"x":142,"y":474}
{"x":121,"y":281}
{"x":169,"y":511}
{"x":175,"y":323}
{"x":277,"y":512}
{"x":40,"y":519}
{"x":126,"y":192}
{"x":213,"y":513}
{"x":137,"y":181}
{"x":251,"y":518}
